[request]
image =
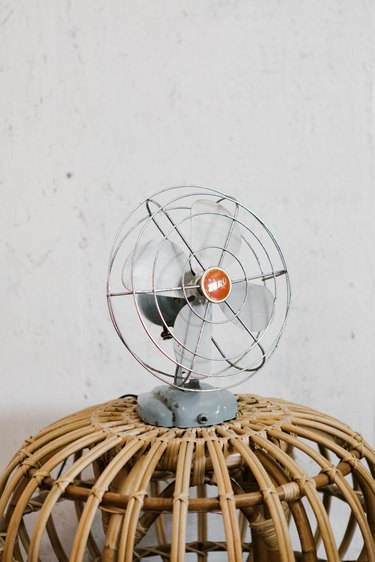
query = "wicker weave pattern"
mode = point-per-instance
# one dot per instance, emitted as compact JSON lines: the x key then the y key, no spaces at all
{"x":106,"y":462}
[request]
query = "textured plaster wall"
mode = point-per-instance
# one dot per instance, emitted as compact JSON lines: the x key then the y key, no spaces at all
{"x":103,"y":103}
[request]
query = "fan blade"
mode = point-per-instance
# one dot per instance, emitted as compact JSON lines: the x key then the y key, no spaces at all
{"x":169,"y":268}
{"x":214,"y":225}
{"x":257,"y":310}
{"x":194,"y":333}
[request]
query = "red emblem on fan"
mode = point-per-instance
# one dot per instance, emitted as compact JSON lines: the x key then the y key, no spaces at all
{"x":216,"y":284}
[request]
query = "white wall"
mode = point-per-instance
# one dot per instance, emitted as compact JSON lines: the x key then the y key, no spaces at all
{"x":105,"y":102}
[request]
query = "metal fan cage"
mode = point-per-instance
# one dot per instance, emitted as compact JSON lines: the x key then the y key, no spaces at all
{"x":167,"y":217}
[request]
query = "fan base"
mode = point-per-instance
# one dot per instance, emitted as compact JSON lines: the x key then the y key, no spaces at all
{"x":167,"y":406}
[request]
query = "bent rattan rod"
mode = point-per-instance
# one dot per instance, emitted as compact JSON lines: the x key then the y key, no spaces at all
{"x":191,"y":547}
{"x":76,"y":492}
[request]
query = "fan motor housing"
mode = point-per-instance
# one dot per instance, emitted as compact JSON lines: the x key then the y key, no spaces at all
{"x":170,"y":307}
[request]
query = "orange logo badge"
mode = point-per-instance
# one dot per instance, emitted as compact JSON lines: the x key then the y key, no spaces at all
{"x":216,"y":284}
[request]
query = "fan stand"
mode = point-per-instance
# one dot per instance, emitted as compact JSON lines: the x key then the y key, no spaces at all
{"x":200,"y":406}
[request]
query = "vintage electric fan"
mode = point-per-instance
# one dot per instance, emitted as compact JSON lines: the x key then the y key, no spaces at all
{"x":199,"y":293}
{"x":206,"y":280}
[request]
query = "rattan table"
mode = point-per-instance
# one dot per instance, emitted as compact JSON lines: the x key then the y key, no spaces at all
{"x":268,"y":486}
